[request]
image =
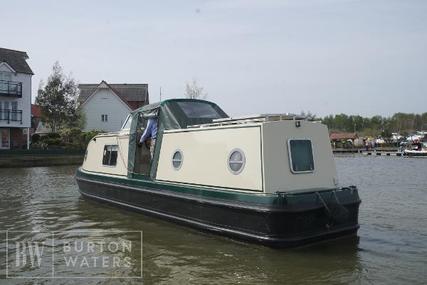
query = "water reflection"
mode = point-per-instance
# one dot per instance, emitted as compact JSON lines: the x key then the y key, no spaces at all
{"x":391,"y":249}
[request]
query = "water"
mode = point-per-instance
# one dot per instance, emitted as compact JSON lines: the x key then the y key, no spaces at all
{"x":391,"y":247}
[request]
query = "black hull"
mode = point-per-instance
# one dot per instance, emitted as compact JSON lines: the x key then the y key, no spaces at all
{"x":316,"y":217}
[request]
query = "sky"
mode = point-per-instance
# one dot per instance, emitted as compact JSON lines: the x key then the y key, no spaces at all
{"x":252,"y":57}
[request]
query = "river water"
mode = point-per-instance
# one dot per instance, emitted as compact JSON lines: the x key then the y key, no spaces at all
{"x":391,"y":247}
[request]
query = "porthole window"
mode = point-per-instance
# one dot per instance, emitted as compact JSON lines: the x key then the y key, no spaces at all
{"x":177,"y":160}
{"x":236,"y":161}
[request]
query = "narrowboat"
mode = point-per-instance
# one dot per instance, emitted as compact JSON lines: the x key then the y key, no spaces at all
{"x":269,"y":179}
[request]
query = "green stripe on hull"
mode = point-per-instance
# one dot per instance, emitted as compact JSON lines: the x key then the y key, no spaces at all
{"x":276,"y":200}
{"x":253,"y":198}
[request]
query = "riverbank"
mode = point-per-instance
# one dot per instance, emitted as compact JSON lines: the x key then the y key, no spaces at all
{"x":36,"y":158}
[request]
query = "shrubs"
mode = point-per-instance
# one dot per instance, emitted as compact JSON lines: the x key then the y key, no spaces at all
{"x":69,"y":139}
{"x":35,"y":138}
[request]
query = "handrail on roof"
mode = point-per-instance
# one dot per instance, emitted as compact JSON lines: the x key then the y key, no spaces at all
{"x":284,"y":116}
{"x":254,"y":119}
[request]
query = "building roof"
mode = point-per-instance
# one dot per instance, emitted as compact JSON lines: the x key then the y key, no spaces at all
{"x":35,"y":111}
{"x":15,"y":59}
{"x":343,"y":136}
{"x":127,"y":92}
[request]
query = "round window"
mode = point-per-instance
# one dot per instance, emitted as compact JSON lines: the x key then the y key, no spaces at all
{"x":177,"y":160}
{"x":236,"y":161}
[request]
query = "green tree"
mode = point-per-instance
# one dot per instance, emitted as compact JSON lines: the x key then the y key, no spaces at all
{"x":424,"y":119}
{"x":58,"y":100}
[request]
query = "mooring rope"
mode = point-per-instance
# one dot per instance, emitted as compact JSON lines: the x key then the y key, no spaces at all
{"x":324,"y":203}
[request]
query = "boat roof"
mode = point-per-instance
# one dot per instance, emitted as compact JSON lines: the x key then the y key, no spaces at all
{"x":155,"y":106}
{"x":178,"y":114}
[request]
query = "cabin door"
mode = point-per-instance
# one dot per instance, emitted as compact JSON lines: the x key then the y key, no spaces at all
{"x":142,"y":157}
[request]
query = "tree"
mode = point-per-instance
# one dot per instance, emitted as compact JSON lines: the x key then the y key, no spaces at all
{"x":193,"y":91}
{"x":309,"y":115}
{"x":58,"y":100}
{"x":402,"y":123}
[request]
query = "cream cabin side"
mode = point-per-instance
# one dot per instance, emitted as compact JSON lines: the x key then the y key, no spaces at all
{"x":297,"y":156}
{"x":272,"y":156}
{"x":107,"y":154}
{"x":223,"y":156}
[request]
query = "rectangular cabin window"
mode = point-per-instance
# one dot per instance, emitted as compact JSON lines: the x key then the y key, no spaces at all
{"x":110,"y":155}
{"x":104,"y":118}
{"x":301,"y":155}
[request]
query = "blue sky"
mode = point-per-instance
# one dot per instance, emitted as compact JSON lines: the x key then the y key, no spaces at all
{"x":357,"y":57}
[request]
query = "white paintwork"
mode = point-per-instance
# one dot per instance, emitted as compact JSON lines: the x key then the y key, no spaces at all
{"x":419,"y":152}
{"x":43,"y":129}
{"x":205,"y":157}
{"x":24,"y":103}
{"x":104,"y":101}
{"x":4,"y":66}
{"x":277,"y":171}
{"x":94,"y":154}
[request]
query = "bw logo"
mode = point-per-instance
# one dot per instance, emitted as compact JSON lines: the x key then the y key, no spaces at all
{"x":29,"y":253}
{"x":100,"y":254}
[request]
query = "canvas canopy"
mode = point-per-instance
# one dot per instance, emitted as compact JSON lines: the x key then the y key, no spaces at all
{"x":171,"y":114}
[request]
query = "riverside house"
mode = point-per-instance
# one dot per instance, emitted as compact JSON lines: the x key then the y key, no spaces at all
{"x":15,"y":99}
{"x":106,"y":106}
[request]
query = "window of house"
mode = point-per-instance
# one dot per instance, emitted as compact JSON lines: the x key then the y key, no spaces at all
{"x":14,"y":111}
{"x":5,"y":77}
{"x":4,"y":138}
{"x":110,"y":155}
{"x":104,"y":118}
{"x":6,"y":110}
{"x":301,"y":155}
